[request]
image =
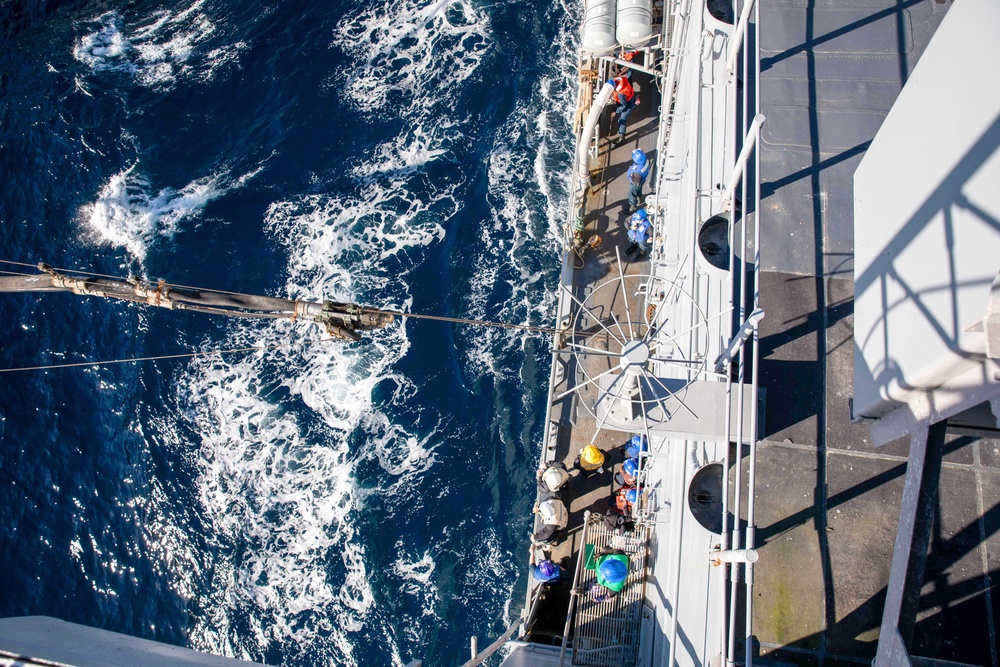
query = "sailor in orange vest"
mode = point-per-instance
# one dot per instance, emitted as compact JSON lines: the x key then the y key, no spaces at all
{"x":625,"y":97}
{"x":624,"y":70}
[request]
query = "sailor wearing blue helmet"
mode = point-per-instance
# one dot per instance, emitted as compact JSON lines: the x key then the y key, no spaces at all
{"x":639,"y":229}
{"x":635,"y":445}
{"x":612,"y":573}
{"x":637,"y":174}
{"x":546,"y":572}
{"x":630,"y":469}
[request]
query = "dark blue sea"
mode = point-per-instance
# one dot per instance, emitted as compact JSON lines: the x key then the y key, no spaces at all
{"x":313,"y":504}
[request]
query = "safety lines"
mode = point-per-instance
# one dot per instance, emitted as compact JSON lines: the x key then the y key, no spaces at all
{"x":376,"y":311}
{"x":180,"y":355}
{"x":460,"y":320}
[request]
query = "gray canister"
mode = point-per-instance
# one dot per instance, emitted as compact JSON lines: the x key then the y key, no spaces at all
{"x":635,"y":22}
{"x":599,"y":26}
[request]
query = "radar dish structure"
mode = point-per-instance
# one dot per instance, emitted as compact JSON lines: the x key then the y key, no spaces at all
{"x":614,"y":355}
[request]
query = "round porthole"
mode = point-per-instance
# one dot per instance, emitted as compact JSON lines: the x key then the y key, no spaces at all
{"x":713,"y":241}
{"x":721,"y":10}
{"x":705,"y":497}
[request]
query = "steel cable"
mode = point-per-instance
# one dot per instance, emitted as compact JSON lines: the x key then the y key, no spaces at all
{"x":377,"y":311}
{"x":181,"y":355}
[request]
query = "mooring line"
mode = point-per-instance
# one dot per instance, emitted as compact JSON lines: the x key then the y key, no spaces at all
{"x":182,"y":355}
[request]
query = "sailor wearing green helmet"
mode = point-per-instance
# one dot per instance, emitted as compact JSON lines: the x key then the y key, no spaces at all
{"x":612,"y":571}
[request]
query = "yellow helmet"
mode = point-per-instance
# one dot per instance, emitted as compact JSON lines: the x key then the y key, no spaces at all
{"x":592,"y":456}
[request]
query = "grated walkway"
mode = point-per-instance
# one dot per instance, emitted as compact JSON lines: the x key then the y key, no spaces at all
{"x":607,"y":632}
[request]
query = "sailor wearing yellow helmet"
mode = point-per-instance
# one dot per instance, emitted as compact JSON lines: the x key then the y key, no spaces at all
{"x":590,"y":461}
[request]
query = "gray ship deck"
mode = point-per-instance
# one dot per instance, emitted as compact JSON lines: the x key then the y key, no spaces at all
{"x":607,"y":213}
{"x":829,"y":501}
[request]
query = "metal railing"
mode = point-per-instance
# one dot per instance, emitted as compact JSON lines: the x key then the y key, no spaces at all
{"x":738,"y":543}
{"x":607,"y":630}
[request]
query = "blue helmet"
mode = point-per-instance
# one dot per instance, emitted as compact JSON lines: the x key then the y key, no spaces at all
{"x":632,"y":496}
{"x":547,"y":569}
{"x":636,"y":445}
{"x":638,"y":157}
{"x":631,"y":467}
{"x":614,"y":571}
{"x":639,"y":216}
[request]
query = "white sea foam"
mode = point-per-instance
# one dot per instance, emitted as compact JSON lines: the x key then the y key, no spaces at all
{"x":282,"y":479}
{"x":158,"y":50}
{"x":527,"y":215}
{"x":406,"y":154}
{"x":129,"y":214}
{"x":415,"y":577}
{"x":126,"y":214}
{"x":279,"y":491}
{"x":275,"y":467}
{"x":420,"y":48}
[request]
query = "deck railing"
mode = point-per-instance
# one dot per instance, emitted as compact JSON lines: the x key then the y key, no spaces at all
{"x":746,"y":176}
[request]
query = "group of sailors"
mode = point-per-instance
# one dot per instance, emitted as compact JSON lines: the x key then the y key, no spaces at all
{"x":611,"y":565}
{"x":625,"y":99}
{"x":639,"y":226}
{"x":553,"y":479}
{"x":627,"y":478}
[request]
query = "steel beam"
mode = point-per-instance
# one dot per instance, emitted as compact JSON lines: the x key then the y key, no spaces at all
{"x":909,"y":556}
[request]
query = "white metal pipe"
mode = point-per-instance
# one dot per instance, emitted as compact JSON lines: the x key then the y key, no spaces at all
{"x":737,"y":342}
{"x":728,"y":199}
{"x":735,"y":542}
{"x":740,"y":166}
{"x":631,"y":65}
{"x":755,"y":356}
{"x":735,"y":556}
{"x":724,"y":542}
{"x":738,"y":35}
{"x":727,"y":569}
{"x":729,"y":203}
{"x":583,"y":148}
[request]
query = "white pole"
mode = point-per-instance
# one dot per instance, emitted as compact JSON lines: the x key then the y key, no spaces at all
{"x":741,"y":161}
{"x":736,"y":344}
{"x":734,"y":556}
{"x":738,"y":35}
{"x":751,"y":521}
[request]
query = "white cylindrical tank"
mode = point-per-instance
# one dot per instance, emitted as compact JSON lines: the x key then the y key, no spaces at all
{"x":599,"y":26}
{"x":635,"y":22}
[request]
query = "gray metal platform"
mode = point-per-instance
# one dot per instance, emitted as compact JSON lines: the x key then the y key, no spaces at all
{"x":830,"y":500}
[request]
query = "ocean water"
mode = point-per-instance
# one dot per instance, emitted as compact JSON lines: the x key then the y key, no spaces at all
{"x":317,"y":504}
